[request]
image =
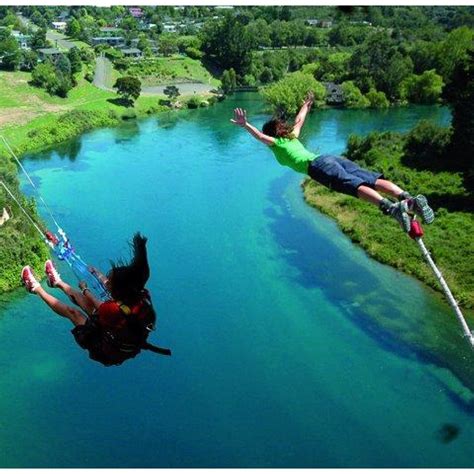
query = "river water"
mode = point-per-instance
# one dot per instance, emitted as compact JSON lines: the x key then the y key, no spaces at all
{"x":285,"y":345}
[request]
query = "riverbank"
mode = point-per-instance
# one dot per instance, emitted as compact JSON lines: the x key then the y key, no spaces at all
{"x":449,"y":238}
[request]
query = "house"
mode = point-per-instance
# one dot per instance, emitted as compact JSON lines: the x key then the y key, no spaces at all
{"x":59,"y":25}
{"x":5,"y":216}
{"x":132,"y":53}
{"x":117,"y":41}
{"x":22,"y":40}
{"x":326,"y":24}
{"x":109,"y":31}
{"x":313,"y":22}
{"x":334,"y":93}
{"x":169,"y":28}
{"x":63,"y":16}
{"x":48,"y":53}
{"x":136,"y":12}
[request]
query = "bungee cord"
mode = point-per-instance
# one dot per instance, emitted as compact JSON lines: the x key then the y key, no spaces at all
{"x":60,"y":243}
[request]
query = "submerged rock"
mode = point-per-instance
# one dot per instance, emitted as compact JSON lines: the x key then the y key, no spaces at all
{"x":448,"y":432}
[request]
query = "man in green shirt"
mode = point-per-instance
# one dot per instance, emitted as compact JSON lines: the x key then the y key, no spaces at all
{"x":334,"y":172}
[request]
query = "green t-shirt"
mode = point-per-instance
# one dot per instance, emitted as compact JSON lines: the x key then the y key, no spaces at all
{"x":291,"y":152}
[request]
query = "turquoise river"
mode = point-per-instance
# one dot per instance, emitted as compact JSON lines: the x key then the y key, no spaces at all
{"x":277,"y":361}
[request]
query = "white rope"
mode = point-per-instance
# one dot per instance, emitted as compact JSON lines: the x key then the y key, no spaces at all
{"x":447,"y":291}
{"x":30,"y":180}
{"x":23,"y":209}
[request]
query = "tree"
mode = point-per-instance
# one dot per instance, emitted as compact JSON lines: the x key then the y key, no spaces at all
{"x":377,"y":100}
{"x":353,"y":97}
{"x":172,"y":92}
{"x":378,"y":63}
{"x":129,"y":88}
{"x":73,"y":28}
{"x":453,"y":51}
{"x":461,"y":97}
{"x":334,"y":67}
{"x":74,"y":57}
{"x":10,"y":53}
{"x":168,"y":44}
{"x":258,"y":33}
{"x":63,"y":65}
{"x":227,"y":42}
{"x":287,"y":95}
{"x":44,"y":76}
{"x":29,"y":60}
{"x":266,"y":76}
{"x":229,"y":81}
{"x":144,"y":45}
{"x":11,"y":20}
{"x":425,"y":88}
{"x":38,"y":39}
{"x":423,"y":55}
{"x":426,"y":145}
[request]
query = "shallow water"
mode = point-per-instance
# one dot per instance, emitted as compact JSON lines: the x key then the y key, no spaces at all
{"x":286,"y":349}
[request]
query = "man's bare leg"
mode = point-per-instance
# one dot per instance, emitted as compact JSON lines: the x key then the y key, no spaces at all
{"x":388,"y":187}
{"x":74,"y":315}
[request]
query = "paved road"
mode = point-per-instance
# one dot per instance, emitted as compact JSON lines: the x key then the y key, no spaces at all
{"x":59,"y":40}
{"x":103,"y":75}
{"x":185,"y":88}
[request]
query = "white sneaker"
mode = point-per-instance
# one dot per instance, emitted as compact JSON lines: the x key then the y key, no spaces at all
{"x":29,"y":280}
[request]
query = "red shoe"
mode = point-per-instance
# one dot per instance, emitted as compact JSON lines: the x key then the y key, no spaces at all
{"x":52,"y":275}
{"x":29,"y":280}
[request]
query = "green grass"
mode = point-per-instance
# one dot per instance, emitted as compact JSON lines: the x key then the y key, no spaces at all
{"x":169,"y":70}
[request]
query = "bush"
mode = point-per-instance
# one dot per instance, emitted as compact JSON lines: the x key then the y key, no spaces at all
{"x":129,"y":115}
{"x":287,"y":95}
{"x":426,"y":145}
{"x":194,"y":102}
{"x":249,"y":80}
{"x":377,"y":100}
{"x":353,"y":97}
{"x":422,"y":89}
{"x":194,"y":53}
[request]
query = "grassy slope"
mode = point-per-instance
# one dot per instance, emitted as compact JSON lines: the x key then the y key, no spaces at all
{"x":173,"y":69}
{"x":449,"y":238}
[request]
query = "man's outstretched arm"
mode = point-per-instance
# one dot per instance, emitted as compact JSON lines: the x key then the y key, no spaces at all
{"x":301,"y":117}
{"x":240,"y":119}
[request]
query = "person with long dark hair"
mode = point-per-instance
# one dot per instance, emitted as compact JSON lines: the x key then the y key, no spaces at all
{"x":117,"y":329}
{"x":334,"y":172}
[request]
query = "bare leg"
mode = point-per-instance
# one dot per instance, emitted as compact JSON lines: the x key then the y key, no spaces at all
{"x":369,"y":194}
{"x":388,"y":187}
{"x":74,"y":315}
{"x":76,"y":297}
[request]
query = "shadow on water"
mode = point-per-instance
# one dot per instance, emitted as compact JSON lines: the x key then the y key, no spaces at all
{"x":394,"y":324}
{"x":69,"y":150}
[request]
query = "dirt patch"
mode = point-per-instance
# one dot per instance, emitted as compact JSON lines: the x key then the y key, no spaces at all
{"x":20,"y":116}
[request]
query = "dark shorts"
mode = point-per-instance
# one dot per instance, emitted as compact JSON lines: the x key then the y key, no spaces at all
{"x":91,"y":338}
{"x":341,"y":174}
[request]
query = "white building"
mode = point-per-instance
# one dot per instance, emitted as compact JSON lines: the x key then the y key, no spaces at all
{"x":59,"y":25}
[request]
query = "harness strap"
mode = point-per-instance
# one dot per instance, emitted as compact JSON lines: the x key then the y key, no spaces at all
{"x":157,"y":350}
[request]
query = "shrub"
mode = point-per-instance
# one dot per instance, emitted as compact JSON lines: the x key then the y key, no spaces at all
{"x":353,"y":97}
{"x":425,"y":88}
{"x":377,"y":100}
{"x":194,"y":53}
{"x":426,"y":145}
{"x":194,"y":102}
{"x":129,"y":115}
